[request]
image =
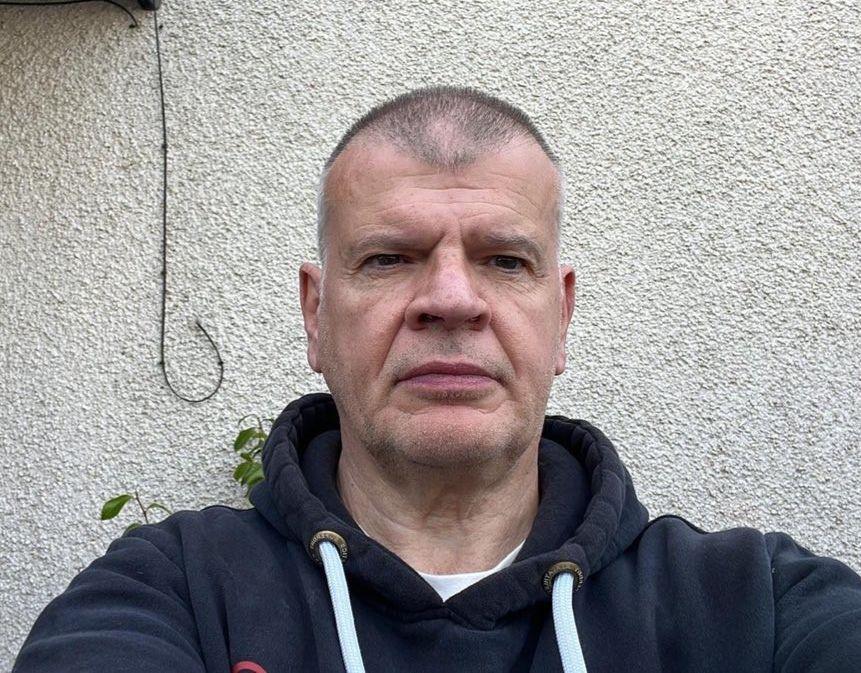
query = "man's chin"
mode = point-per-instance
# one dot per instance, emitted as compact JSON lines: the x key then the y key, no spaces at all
{"x":453,"y":436}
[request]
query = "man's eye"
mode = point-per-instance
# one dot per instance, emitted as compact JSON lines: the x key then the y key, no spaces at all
{"x":383,"y":260}
{"x":507,"y":263}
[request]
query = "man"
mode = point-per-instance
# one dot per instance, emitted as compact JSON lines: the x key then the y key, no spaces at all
{"x":427,"y":516}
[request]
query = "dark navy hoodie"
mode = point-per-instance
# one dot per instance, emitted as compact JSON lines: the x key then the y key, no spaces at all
{"x":237,"y":591}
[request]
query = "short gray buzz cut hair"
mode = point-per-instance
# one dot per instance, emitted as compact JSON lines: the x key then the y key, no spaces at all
{"x":478,"y":123}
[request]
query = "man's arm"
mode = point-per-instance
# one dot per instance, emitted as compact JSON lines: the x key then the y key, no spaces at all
{"x":817,"y":602}
{"x":126,"y":612}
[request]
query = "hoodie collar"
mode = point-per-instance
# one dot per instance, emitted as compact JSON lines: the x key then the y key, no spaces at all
{"x":588,"y":514}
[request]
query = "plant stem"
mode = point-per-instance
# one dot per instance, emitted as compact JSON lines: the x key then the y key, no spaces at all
{"x":143,"y":509}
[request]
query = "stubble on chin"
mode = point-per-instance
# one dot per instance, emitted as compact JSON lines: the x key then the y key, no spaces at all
{"x":400,"y":450}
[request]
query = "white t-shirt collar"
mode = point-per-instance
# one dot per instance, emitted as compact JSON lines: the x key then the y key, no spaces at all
{"x":448,"y":585}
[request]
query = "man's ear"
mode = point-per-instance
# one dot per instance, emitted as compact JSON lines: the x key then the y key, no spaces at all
{"x":310,"y":282}
{"x":566,"y":310}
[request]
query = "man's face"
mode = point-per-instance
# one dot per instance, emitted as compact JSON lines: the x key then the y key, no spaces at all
{"x":454,"y":272}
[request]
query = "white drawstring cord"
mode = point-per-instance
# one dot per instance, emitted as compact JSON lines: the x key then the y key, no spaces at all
{"x":340,"y":596}
{"x":563,"y":622}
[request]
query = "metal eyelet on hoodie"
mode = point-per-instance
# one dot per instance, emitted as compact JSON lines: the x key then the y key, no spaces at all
{"x":562,"y":567}
{"x":331,"y":536}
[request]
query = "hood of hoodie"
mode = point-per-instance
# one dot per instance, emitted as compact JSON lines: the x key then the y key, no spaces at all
{"x":588,"y":514}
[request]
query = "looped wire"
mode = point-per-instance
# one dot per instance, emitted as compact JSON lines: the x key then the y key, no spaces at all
{"x":164,"y":247}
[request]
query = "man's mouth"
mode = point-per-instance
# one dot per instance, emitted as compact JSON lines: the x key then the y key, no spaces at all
{"x":440,"y":377}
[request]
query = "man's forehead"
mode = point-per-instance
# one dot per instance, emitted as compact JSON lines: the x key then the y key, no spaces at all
{"x":372,"y":169}
{"x":364,"y":163}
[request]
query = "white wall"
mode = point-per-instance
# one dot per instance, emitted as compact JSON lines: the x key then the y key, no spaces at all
{"x":713,"y":158}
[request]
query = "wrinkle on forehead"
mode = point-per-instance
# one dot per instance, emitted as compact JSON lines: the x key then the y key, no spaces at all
{"x":378,"y":176}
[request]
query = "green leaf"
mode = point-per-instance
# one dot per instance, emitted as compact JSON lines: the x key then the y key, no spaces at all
{"x":113,"y":506}
{"x":240,"y":470}
{"x":131,"y":526}
{"x":243,"y":438}
{"x":254,"y":475}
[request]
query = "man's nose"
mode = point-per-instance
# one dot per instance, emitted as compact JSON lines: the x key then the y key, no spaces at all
{"x":448,"y":296}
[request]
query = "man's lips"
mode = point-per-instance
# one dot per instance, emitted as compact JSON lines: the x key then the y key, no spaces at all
{"x":439,"y":380}
{"x":447,"y":370}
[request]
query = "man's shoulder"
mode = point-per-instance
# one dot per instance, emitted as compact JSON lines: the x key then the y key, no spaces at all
{"x":215,"y":532}
{"x":679,"y":538}
{"x":678,"y":527}
{"x":211,"y":519}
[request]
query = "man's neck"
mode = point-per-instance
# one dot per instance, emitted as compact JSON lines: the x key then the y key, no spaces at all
{"x":442,"y":522}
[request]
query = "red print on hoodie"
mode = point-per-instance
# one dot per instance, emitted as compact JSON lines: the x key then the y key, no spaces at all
{"x":247,"y":667}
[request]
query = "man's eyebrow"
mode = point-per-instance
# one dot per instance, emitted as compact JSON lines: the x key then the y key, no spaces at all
{"x":498,"y":239}
{"x":380,"y":240}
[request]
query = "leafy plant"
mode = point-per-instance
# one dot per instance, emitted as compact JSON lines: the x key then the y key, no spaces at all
{"x":248,"y":444}
{"x":115,"y":505}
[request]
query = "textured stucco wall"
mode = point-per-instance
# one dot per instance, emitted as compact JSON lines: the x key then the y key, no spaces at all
{"x":714,"y":165}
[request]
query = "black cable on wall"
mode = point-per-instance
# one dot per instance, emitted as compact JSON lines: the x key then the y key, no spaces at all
{"x":164,"y":243}
{"x":153,"y":6}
